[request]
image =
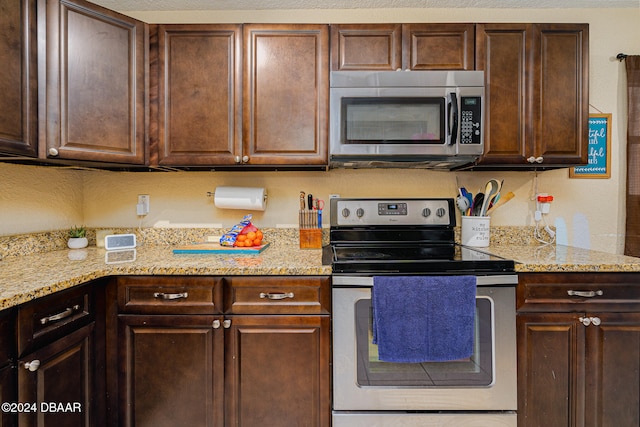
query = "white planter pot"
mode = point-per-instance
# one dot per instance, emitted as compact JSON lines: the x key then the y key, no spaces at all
{"x":77,"y":242}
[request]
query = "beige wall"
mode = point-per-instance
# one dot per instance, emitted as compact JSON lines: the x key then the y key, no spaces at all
{"x":588,"y":212}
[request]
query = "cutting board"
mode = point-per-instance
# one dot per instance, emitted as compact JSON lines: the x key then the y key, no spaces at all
{"x":216,"y":248}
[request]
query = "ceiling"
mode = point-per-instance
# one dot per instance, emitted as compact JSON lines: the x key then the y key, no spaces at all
{"x":174,"y":5}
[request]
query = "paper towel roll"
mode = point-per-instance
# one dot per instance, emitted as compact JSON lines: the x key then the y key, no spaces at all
{"x":246,"y":198}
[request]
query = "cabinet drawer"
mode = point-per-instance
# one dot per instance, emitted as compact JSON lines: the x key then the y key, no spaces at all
{"x":49,"y":318}
{"x":578,"y":292}
{"x":277,"y":295}
{"x":169,"y":295}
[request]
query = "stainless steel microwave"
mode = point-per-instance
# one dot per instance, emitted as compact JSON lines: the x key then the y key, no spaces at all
{"x":419,"y":119}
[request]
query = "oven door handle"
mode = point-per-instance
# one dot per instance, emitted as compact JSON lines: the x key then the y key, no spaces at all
{"x":276,"y":295}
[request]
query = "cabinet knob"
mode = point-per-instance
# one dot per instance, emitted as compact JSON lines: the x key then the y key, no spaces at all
{"x":245,"y":159}
{"x":535,"y":159}
{"x":237,"y":159}
{"x":226,"y":323}
{"x":216,"y":324}
{"x":32,"y":366}
{"x":586,"y":321}
{"x":53,"y":151}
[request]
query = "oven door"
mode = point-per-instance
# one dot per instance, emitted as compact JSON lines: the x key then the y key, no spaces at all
{"x":485,"y":382}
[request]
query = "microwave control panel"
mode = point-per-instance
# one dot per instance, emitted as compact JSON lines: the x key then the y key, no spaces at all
{"x":470,"y":120}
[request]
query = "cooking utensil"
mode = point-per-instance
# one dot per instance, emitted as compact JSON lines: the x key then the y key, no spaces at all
{"x":477,"y":204}
{"x":491,"y":189}
{"x":503,"y":199}
{"x":463,"y":204}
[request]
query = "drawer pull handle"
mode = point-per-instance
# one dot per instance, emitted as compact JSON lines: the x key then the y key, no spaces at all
{"x":586,"y":294}
{"x":164,"y":296}
{"x":68,"y":312}
{"x":276,"y":295}
{"x":32,"y":366}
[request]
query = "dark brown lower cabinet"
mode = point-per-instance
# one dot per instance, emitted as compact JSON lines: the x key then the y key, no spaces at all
{"x":579,"y":350}
{"x":277,"y":371}
{"x":172,"y":370}
{"x":184,"y":357}
{"x":58,"y":380}
{"x":8,"y":388}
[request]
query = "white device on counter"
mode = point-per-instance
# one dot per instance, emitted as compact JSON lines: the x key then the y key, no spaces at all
{"x":119,"y":241}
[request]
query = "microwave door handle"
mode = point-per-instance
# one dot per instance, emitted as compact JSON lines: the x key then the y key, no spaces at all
{"x":453,"y":118}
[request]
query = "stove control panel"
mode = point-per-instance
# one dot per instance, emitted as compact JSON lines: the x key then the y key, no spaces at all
{"x":365,"y":212}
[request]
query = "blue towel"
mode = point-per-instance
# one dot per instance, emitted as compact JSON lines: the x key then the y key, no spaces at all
{"x":423,"y":318}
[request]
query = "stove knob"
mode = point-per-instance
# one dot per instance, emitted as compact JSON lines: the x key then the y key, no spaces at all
{"x":440,"y":212}
{"x":346,"y":212}
{"x":360,"y":212}
{"x":426,"y":212}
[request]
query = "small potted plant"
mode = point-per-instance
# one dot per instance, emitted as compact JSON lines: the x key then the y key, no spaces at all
{"x":77,"y":238}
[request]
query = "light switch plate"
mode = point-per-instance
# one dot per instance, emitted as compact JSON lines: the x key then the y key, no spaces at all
{"x":119,"y":241}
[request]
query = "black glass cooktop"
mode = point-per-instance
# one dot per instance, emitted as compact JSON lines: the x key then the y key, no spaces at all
{"x":413,"y":259}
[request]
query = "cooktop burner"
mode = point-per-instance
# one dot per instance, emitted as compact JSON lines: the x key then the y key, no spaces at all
{"x":402,"y":236}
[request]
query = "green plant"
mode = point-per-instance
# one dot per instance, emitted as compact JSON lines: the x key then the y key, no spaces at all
{"x":75,"y":232}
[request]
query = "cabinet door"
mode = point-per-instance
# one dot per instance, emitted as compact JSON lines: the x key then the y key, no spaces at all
{"x":551,"y":370}
{"x":199,"y":84}
{"x":60,"y":382}
{"x":561,"y":93}
{"x":285,"y":94}
{"x":95,"y":103}
{"x":18,"y":77}
{"x":613,"y":371}
{"x":171,"y":371}
{"x":502,"y":52}
{"x":8,"y":394}
{"x":278,"y":371}
{"x":438,"y":46}
{"x":376,"y":47}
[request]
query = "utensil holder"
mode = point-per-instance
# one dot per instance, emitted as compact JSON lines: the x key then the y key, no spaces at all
{"x":475,"y":231}
{"x":310,"y":238}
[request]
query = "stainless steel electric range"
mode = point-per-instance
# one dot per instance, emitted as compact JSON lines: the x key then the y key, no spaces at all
{"x":408,"y":237}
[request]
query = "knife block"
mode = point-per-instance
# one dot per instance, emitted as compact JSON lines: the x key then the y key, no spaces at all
{"x":310,"y":238}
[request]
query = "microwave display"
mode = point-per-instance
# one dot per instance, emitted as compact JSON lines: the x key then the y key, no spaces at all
{"x":394,"y":120}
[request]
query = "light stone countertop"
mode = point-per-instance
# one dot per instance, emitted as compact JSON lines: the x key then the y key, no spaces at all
{"x":30,"y":276}
{"x":24,"y":278}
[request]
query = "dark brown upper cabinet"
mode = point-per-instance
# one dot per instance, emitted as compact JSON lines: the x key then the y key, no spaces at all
{"x":199,"y":85}
{"x":93,"y":84}
{"x":537,"y":95}
{"x":285,"y":94}
{"x":241,"y":95}
{"x":388,"y":47}
{"x":18,"y":78}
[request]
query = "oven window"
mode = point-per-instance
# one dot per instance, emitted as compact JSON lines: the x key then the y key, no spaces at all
{"x":476,"y":371}
{"x":393,"y":120}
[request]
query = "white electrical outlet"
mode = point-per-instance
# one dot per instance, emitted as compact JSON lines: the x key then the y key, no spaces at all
{"x":142,"y":208}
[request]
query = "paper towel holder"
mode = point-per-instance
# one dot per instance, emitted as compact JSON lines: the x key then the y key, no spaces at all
{"x":212,"y":194}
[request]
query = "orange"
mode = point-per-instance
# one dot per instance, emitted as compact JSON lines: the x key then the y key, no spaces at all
{"x":259,"y":235}
{"x":251,"y":235}
{"x":257,"y":242}
{"x":248,"y":243}
{"x":241,"y":238}
{"x":238,"y":244}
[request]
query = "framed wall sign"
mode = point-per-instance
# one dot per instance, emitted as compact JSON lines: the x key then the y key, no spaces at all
{"x":599,"y":149}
